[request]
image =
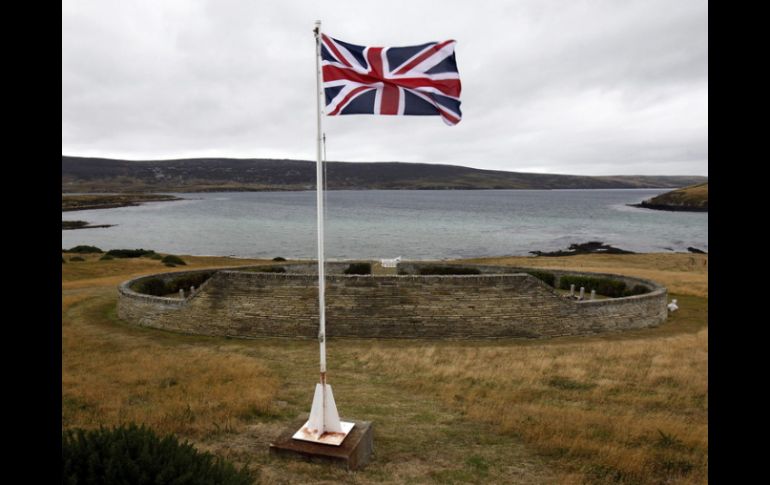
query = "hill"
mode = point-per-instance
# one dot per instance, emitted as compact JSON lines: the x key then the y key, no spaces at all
{"x":228,"y":174}
{"x":693,"y":199}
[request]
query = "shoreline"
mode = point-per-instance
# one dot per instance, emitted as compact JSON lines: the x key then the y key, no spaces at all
{"x":669,"y":208}
{"x":110,"y":201}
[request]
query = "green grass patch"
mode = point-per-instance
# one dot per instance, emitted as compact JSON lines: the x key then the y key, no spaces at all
{"x":159,"y":286}
{"x":544,"y":276}
{"x":603,"y":286}
{"x":477,"y":465}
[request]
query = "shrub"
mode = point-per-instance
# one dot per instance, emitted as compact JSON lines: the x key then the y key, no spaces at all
{"x":186,"y":281}
{"x":84,"y":249}
{"x":160,"y":286}
{"x":155,"y":256}
{"x":172,"y":259}
{"x":170,"y":265}
{"x":603,"y":286}
{"x":271,"y":269}
{"x":279,"y":259}
{"x":359,"y":268}
{"x":152,"y":286}
{"x":106,"y":257}
{"x":76,"y":258}
{"x":447,"y":270}
{"x":636,"y":290}
{"x":130,"y":253}
{"x":132,"y":454}
{"x":547,"y":278}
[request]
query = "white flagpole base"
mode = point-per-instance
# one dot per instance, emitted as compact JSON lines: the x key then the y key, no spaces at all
{"x":324,"y":425}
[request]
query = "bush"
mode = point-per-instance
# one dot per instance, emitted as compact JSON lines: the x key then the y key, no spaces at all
{"x":76,"y":258}
{"x":186,"y":281}
{"x":603,"y":286}
{"x":155,"y":256}
{"x":85,"y":249}
{"x":547,"y":278}
{"x":636,"y":290}
{"x":159,"y":286}
{"x":136,"y":455}
{"x":271,"y":269}
{"x":359,"y":268}
{"x":172,"y":259}
{"x":106,"y":257}
{"x":152,"y":286}
{"x":130,"y":253}
{"x":447,"y":270}
{"x":279,"y":259}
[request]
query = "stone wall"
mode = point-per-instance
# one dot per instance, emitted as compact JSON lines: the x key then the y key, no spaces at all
{"x":250,"y":304}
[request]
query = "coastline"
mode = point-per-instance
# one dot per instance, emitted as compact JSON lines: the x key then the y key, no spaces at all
{"x":670,"y":208}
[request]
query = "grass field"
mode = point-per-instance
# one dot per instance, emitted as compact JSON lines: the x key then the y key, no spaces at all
{"x":622,"y":408}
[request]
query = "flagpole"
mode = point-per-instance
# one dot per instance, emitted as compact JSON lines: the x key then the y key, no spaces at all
{"x":323,"y":425}
{"x":320,"y":216}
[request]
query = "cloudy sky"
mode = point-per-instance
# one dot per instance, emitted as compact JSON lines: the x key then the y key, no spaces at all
{"x":576,"y":87}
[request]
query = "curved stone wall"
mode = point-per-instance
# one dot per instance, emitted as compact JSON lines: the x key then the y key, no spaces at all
{"x":500,"y":302}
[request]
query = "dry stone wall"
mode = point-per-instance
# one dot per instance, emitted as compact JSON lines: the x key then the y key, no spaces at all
{"x":251,"y":304}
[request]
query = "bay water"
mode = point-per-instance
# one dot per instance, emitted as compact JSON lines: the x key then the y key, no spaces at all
{"x":374,"y":224}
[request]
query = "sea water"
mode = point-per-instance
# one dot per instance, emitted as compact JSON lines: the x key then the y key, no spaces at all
{"x":374,"y":224}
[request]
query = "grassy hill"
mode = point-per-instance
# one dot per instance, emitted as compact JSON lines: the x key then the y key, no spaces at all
{"x":694,"y":198}
{"x":228,"y":174}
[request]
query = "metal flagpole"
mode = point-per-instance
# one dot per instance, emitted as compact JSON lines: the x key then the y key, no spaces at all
{"x":320,"y":207}
{"x":324,"y":425}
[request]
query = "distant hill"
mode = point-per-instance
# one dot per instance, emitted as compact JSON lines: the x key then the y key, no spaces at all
{"x":229,"y":174}
{"x":693,"y":199}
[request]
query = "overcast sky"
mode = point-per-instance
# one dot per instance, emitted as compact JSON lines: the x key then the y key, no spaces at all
{"x":576,"y":87}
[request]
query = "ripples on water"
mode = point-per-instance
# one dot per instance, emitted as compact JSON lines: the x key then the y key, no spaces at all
{"x":373,"y":224}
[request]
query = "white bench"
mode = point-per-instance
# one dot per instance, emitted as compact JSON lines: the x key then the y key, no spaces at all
{"x":390,"y":263}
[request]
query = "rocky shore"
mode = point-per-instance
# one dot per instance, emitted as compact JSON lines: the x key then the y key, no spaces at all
{"x":590,"y":247}
{"x":688,"y":199}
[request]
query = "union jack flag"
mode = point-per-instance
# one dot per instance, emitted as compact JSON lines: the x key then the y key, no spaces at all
{"x":413,"y":80}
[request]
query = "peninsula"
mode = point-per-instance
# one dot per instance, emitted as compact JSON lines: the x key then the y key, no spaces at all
{"x":694,"y":198}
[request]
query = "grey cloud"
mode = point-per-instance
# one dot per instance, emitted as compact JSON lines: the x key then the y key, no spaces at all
{"x":597,"y":87}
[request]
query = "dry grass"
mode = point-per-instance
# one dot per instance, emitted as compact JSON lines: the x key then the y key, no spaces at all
{"x":622,"y":408}
{"x":634,"y":409}
{"x":109,"y":379}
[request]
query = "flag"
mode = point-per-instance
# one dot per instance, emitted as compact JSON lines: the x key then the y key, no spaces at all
{"x":417,"y":80}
